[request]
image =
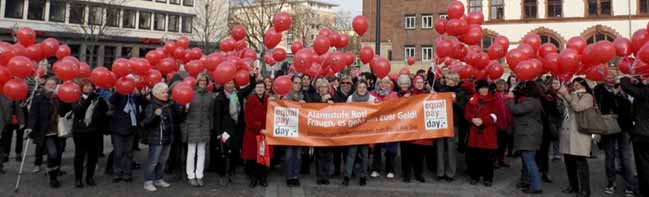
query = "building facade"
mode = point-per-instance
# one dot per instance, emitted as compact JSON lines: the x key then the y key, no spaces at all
{"x":99,"y":31}
{"x":407,"y":30}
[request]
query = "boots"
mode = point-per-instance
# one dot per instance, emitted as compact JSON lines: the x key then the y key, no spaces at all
{"x":54,"y":179}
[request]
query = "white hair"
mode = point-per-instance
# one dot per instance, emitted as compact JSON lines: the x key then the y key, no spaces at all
{"x":159,"y":88}
{"x":404,"y":79}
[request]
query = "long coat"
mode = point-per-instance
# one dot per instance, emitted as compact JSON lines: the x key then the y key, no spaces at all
{"x":571,"y":141}
{"x":486,"y":108}
{"x":99,"y":117}
{"x":255,"y":114}
{"x":527,"y":123}
{"x":121,"y":121}
{"x":159,"y":128}
{"x":40,"y":116}
{"x":224,"y":122}
{"x":198,"y":119}
{"x":8,"y":108}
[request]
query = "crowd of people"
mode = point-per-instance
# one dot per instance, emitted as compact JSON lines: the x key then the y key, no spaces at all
{"x":218,"y":130}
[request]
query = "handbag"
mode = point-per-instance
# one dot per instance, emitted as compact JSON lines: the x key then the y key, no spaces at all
{"x":263,"y":151}
{"x":64,"y":126}
{"x":592,"y":121}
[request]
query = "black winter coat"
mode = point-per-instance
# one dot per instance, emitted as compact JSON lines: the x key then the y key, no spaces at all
{"x":121,"y":121}
{"x":159,"y":129}
{"x":223,"y":121}
{"x":99,"y":117}
{"x":640,"y":93}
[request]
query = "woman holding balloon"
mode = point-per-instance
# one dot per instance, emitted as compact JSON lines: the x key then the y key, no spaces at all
{"x":195,"y":131}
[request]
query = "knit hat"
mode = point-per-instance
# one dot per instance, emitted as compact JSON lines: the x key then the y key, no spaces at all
{"x":481,"y":84}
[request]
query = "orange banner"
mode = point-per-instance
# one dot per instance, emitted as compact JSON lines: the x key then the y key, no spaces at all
{"x":320,"y":124}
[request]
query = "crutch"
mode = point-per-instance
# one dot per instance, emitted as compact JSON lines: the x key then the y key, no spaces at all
{"x":22,"y":164}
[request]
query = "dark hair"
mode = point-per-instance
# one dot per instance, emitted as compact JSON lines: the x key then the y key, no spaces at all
{"x":529,"y":89}
{"x":509,"y":80}
{"x":583,"y":83}
{"x":363,"y":81}
{"x":296,"y":77}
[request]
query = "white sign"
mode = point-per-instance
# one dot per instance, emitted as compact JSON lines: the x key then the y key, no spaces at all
{"x":285,"y":122}
{"x":435,"y":116}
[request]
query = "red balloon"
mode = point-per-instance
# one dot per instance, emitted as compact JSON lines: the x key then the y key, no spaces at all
{"x":140,"y":66}
{"x":227,"y":45}
{"x":63,"y":51}
{"x":194,"y":54}
{"x":282,"y":22}
{"x":624,"y":64}
{"x":496,"y":51}
{"x":238,"y":32}
{"x":527,"y":50}
{"x":622,"y":46}
{"x":194,"y":67}
{"x":49,"y":46}
{"x":272,"y":38}
{"x":314,"y":70}
{"x":242,"y":78}
{"x":102,"y":78}
{"x":121,"y":67}
{"x":191,"y":81}
{"x":140,"y":82}
{"x":440,"y":25}
{"x":20,"y":49}
{"x":170,"y":47}
{"x":179,"y":53}
{"x":366,"y":54}
{"x":459,"y":51}
{"x":84,"y":70}
{"x":551,"y":63}
{"x":481,"y":60}
{"x":465,"y":72}
{"x":604,"y":51}
{"x":503,"y":41}
{"x":241,"y":44}
{"x":6,"y":53}
{"x":455,"y":9}
{"x":638,"y":39}
{"x":443,"y":48}
{"x":183,"y":42}
{"x":404,"y":71}
{"x":380,"y":67}
{"x":279,"y":54}
{"x":213,"y":60}
{"x":182,"y":93}
{"x":167,"y":65}
{"x":125,"y":86}
{"x":495,"y":70}
{"x":268,"y":59}
{"x":532,"y":39}
{"x":473,"y":36}
{"x":224,"y":72}
{"x":411,"y":61}
{"x":154,"y":56}
{"x":525,"y":71}
{"x":475,"y":18}
{"x":342,"y":41}
{"x":69,"y":92}
{"x":333,"y":38}
{"x":296,"y":46}
{"x":577,"y":43}
{"x":514,"y":57}
{"x":643,"y":53}
{"x":456,"y":27}
{"x":249,"y":53}
{"x":4,"y":75}
{"x":639,"y":67}
{"x":337,"y":60}
{"x":15,"y":89}
{"x":360,"y":25}
{"x":321,"y":45}
{"x":282,"y":85}
{"x":35,"y":52}
{"x":597,"y":73}
{"x":546,"y":49}
{"x":152,"y":78}
{"x":26,"y":36}
{"x":569,"y":61}
{"x":349,"y":58}
{"x":20,"y":66}
{"x":65,"y":69}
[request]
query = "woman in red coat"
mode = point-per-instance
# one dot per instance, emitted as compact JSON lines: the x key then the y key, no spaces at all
{"x":255,"y":117}
{"x":482,"y":113}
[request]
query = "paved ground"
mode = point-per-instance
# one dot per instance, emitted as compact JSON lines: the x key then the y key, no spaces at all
{"x":504,"y":185}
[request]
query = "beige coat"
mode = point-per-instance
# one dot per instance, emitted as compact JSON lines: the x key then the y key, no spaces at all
{"x":571,"y":141}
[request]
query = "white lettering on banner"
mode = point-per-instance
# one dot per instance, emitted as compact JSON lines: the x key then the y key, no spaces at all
{"x":285,"y":123}
{"x":435,"y":116}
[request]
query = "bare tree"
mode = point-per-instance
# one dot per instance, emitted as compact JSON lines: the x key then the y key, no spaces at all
{"x":343,"y":21}
{"x":304,"y":24}
{"x":256,"y":16}
{"x":210,"y":25}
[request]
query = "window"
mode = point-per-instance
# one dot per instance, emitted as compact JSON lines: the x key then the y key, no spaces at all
{"x":75,"y":50}
{"x":14,"y":8}
{"x":176,"y":2}
{"x":289,"y":37}
{"x":187,"y":24}
{"x":112,"y":17}
{"x":145,"y":20}
{"x":128,"y":20}
{"x":57,"y":11}
{"x":126,"y":52}
{"x":91,"y":54}
{"x":188,"y":2}
{"x":390,"y":54}
{"x":144,"y":50}
{"x":109,"y":55}
{"x":77,"y":13}
{"x":530,"y":8}
{"x":443,"y":15}
{"x":95,"y":15}
{"x":555,"y":8}
{"x":599,"y":7}
{"x":598,"y":36}
{"x":161,"y":1}
{"x":643,"y":5}
{"x":427,"y":21}
{"x":475,"y":5}
{"x":36,"y":10}
{"x":426,"y":53}
{"x":497,"y":10}
{"x":160,"y":21}
{"x":550,"y":39}
{"x":172,"y":23}
{"x":409,"y":52}
{"x":410,"y":22}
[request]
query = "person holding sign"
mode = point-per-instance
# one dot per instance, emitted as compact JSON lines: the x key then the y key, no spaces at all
{"x":481,"y":112}
{"x":384,"y":92}
{"x":412,"y":152}
{"x":360,"y":95}
{"x":324,"y":155}
{"x":292,"y":154}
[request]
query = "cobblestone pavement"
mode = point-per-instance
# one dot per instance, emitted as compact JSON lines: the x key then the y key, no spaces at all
{"x":504,"y":185}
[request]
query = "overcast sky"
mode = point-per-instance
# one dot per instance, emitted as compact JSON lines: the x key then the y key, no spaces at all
{"x":355,"y":6}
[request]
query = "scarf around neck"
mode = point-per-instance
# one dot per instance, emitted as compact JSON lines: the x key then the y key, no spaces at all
{"x":360,"y":98}
{"x":233,"y":105}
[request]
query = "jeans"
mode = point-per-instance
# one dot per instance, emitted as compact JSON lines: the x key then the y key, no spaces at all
{"x":39,"y":152}
{"x":195,"y":160}
{"x":363,"y":154}
{"x":292,"y":162}
{"x":122,"y":157}
{"x":556,"y":151}
{"x":531,"y":170}
{"x":578,"y":173}
{"x":55,"y":146}
{"x":85,"y":145}
{"x":618,"y":145}
{"x":641,"y":153}
{"x":156,"y":161}
{"x":324,"y":162}
{"x":446,"y":162}
{"x":481,"y":163}
{"x":377,"y":158}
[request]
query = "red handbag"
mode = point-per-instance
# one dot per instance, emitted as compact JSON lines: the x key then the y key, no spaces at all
{"x":263,"y":151}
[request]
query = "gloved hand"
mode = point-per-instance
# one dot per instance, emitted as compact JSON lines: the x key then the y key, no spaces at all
{"x":28,"y":134}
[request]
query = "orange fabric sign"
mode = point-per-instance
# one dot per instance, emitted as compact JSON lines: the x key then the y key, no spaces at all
{"x":320,"y":124}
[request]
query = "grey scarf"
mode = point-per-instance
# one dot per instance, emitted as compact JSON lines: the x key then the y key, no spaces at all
{"x":358,"y":98}
{"x":295,"y":96}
